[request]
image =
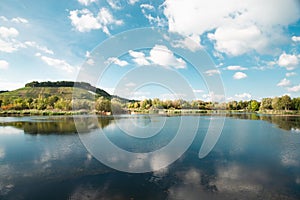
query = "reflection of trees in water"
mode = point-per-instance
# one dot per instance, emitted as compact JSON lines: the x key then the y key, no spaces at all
{"x":60,"y":125}
{"x":283,"y":122}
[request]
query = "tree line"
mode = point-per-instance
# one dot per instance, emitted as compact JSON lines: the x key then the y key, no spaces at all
{"x":285,"y":103}
{"x":103,"y":104}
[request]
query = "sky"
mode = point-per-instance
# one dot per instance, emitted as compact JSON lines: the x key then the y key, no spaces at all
{"x":254,"y":45}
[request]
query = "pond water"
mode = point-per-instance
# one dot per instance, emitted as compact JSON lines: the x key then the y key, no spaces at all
{"x":256,"y":157}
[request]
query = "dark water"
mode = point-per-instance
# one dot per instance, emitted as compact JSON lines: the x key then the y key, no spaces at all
{"x":256,"y":157}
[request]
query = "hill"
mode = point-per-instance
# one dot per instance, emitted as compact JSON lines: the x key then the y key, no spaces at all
{"x":61,"y":89}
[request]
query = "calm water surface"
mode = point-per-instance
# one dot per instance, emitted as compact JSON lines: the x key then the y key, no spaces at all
{"x":256,"y":157}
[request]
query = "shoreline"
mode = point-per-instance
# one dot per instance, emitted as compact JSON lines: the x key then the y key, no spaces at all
{"x":8,"y":113}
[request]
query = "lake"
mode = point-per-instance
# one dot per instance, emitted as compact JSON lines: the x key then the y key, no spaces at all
{"x":256,"y":157}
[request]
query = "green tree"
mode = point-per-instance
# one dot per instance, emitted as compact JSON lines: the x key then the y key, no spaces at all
{"x":254,"y":105}
{"x":296,"y":103}
{"x":276,"y":103}
{"x":286,"y":102}
{"x":266,"y":104}
{"x":103,"y":104}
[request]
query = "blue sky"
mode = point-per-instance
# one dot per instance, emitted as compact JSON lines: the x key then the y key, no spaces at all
{"x":255,"y":45}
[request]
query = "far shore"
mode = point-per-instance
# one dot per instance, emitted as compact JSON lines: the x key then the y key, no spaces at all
{"x":4,"y":113}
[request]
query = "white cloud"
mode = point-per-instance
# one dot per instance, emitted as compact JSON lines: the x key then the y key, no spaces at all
{"x":8,"y":32}
{"x":192,"y":43}
{"x":58,"y":64}
{"x":212,"y":72}
{"x":162,"y":56}
{"x":86,"y":2}
{"x":158,"y":21}
{"x":147,"y":6}
{"x":236,"y":68}
{"x":4,"y":64}
{"x":296,"y":38}
{"x":8,"y":43}
{"x":239,"y":75}
{"x":114,"y":4}
{"x":132,"y":2}
{"x":3,"y":18}
{"x":85,"y":21}
{"x":288,"y":61}
{"x":117,"y":61}
{"x":289,"y":74}
{"x":139,"y":58}
{"x":236,"y":27}
{"x":19,"y":20}
{"x":37,"y":46}
{"x":284,"y":82}
{"x":243,"y":96}
{"x":9,"y":46}
{"x":294,"y":88}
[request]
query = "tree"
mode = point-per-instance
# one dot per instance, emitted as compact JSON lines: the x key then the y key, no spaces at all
{"x":296,"y":103}
{"x":116,"y":106}
{"x":266,"y":104}
{"x":254,"y":105}
{"x":103,"y":104}
{"x":276,"y":103}
{"x":286,"y":102}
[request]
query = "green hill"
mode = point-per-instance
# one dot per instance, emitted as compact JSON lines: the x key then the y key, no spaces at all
{"x":61,"y":89}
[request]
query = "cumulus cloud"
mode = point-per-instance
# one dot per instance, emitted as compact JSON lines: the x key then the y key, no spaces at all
{"x":159,"y":55}
{"x":8,"y":32}
{"x":289,"y":74}
{"x":212,"y":72}
{"x":117,"y":61}
{"x":86,"y":2}
{"x":236,"y":27}
{"x":139,"y":58}
{"x":294,"y":88}
{"x":289,"y":61}
{"x":296,"y":38}
{"x":284,"y":82}
{"x":239,"y":75}
{"x":162,"y":56}
{"x":8,"y":42}
{"x":236,"y":68}
{"x":4,"y":64}
{"x":85,"y":21}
